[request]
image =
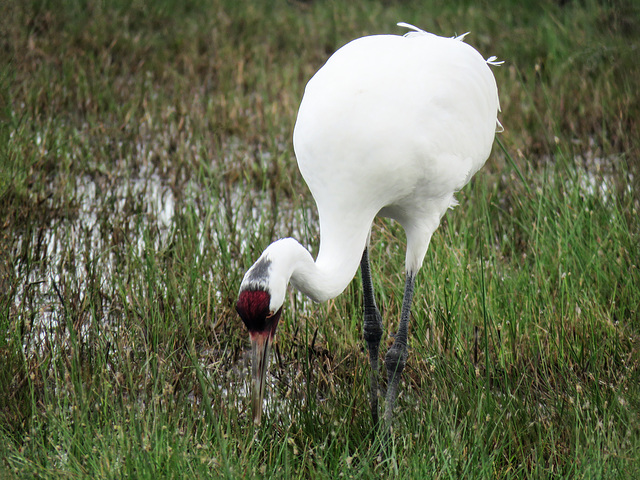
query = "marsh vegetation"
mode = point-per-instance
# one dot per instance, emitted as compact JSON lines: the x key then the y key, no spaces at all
{"x":146,"y":161}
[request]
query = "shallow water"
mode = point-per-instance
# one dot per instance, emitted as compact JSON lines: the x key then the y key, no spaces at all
{"x":143,"y":209}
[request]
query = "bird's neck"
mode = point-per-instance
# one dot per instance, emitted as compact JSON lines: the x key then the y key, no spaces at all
{"x":343,"y":237}
{"x":328,"y":276}
{"x":286,"y":260}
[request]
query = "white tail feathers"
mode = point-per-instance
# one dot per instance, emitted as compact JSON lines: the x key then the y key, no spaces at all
{"x":410,"y":27}
{"x":493,"y":60}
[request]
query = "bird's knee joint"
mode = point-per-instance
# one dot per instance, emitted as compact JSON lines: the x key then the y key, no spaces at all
{"x":372,"y":331}
{"x":395,"y":360}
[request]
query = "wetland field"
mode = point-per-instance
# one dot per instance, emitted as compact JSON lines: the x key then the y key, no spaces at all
{"x":146,"y":161}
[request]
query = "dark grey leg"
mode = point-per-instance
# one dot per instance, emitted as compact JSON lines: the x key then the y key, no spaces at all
{"x":396,"y":357}
{"x":372,"y":331}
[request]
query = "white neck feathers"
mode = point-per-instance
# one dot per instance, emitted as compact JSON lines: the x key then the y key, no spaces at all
{"x":285,"y":261}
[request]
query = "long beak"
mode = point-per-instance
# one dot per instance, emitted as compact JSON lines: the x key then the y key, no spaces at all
{"x":260,"y":349}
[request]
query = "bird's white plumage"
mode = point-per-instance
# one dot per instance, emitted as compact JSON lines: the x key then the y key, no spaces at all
{"x":392,"y":126}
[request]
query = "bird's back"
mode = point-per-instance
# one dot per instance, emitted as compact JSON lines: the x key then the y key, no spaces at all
{"x":390,"y":120}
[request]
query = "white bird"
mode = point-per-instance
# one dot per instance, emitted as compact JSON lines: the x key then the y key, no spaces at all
{"x":390,"y":126}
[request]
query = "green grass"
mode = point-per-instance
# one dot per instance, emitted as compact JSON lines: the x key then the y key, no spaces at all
{"x":146,"y":161}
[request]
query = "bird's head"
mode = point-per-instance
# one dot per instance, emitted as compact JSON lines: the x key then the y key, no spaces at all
{"x":253,"y":308}
{"x":262,"y":294}
{"x":259,"y":306}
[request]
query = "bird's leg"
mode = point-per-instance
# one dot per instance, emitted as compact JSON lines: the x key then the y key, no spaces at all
{"x":396,"y":357}
{"x":372,"y":331}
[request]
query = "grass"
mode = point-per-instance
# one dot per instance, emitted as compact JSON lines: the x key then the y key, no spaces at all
{"x":146,"y":161}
